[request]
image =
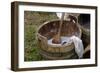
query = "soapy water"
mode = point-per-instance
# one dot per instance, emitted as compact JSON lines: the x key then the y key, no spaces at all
{"x":64,"y":41}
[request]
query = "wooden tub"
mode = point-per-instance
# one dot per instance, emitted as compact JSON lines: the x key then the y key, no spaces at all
{"x":50,"y":28}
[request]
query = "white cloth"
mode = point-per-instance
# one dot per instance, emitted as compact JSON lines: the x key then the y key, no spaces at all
{"x":77,"y":42}
{"x":79,"y":49}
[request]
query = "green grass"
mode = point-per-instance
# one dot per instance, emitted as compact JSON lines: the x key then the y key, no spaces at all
{"x":32,"y":21}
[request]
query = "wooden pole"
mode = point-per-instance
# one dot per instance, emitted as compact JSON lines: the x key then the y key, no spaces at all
{"x":57,"y":38}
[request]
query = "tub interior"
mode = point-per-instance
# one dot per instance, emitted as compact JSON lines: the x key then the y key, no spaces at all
{"x":50,"y":29}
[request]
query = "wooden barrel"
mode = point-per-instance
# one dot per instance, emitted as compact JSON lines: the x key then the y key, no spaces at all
{"x":48,"y":30}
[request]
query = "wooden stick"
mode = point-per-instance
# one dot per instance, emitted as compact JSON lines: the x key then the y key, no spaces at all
{"x":60,"y":27}
{"x":57,"y":38}
{"x":87,"y":49}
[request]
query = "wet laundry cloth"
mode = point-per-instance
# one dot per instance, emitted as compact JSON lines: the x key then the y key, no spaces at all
{"x":79,"y":49}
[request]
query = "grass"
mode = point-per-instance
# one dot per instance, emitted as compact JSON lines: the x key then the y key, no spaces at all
{"x":32,"y":20}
